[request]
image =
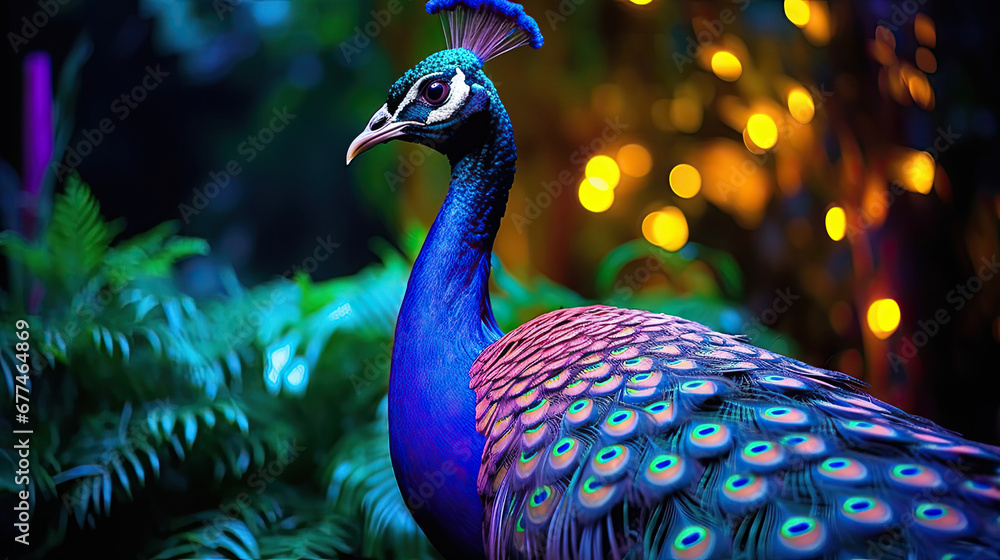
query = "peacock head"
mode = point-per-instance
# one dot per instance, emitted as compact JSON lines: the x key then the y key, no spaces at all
{"x":445,"y":101}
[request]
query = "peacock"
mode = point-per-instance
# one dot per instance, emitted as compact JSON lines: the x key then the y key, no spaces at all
{"x":600,"y":432}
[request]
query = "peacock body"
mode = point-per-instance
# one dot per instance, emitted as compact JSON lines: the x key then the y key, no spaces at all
{"x":600,"y":432}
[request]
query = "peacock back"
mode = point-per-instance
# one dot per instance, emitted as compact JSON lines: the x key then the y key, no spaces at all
{"x":618,"y":433}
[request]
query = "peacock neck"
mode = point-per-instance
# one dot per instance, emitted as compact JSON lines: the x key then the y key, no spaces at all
{"x":444,"y":324}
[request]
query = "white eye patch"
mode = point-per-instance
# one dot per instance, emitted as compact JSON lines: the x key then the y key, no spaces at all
{"x":459,"y":92}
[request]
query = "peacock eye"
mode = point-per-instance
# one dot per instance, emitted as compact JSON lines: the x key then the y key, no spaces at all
{"x":436,"y":92}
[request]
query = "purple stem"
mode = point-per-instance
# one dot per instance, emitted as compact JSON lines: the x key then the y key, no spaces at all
{"x":38,"y":136}
{"x":36,"y":129}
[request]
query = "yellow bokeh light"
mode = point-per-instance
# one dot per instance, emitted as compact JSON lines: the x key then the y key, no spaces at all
{"x":641,"y":2}
{"x":685,"y":180}
{"x":605,"y":169}
{"x":596,"y":195}
{"x":920,"y":88}
{"x":725,"y":65}
{"x":686,"y":114}
{"x":666,"y":228}
{"x":817,"y":31}
{"x":836,"y":223}
{"x":635,"y":160}
{"x":801,"y":106}
{"x":883,"y":318}
{"x":917,"y":172}
{"x":797,"y":12}
{"x":762,"y":131}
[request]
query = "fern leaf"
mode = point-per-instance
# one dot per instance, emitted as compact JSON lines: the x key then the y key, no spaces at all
{"x":78,"y":236}
{"x":362,"y":481}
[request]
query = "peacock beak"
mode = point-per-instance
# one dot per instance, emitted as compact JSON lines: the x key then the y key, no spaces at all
{"x":381,"y":128}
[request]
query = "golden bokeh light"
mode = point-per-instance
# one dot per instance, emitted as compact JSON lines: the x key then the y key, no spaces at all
{"x":797,"y":12}
{"x":635,"y":160}
{"x":874,"y":202}
{"x":926,"y":60}
{"x":595,"y":195}
{"x":685,"y":180}
{"x":605,"y":169}
{"x":666,"y":228}
{"x":923,"y":29}
{"x":686,"y":114}
{"x":640,"y":2}
{"x":916,"y":172}
{"x":726,"y":66}
{"x":817,"y":31}
{"x":919,"y":87}
{"x":836,"y":223}
{"x":761,"y":131}
{"x":732,"y":181}
{"x":883,"y":318}
{"x":801,"y":106}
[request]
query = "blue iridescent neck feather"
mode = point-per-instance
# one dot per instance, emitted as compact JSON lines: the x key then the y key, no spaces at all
{"x":446,"y":321}
{"x":444,"y":324}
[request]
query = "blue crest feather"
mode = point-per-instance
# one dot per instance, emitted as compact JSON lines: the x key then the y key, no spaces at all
{"x":488,"y":28}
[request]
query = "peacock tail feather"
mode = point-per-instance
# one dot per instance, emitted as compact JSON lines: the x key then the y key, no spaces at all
{"x":617,"y":433}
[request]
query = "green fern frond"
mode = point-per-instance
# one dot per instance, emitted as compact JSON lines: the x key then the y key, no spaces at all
{"x":207,"y":535}
{"x":362,"y":481}
{"x":151,"y":254}
{"x":78,"y":236}
{"x":308,"y":536}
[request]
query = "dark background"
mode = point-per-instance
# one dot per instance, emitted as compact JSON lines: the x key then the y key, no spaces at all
{"x":227,"y":75}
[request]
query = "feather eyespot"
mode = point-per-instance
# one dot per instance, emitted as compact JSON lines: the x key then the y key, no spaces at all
{"x":745,"y":488}
{"x":915,"y":476}
{"x":709,"y":439}
{"x":940,"y":517}
{"x":803,"y":534}
{"x":865,"y":510}
{"x":779,"y":416}
{"x":842,"y":469}
{"x":692,"y":542}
